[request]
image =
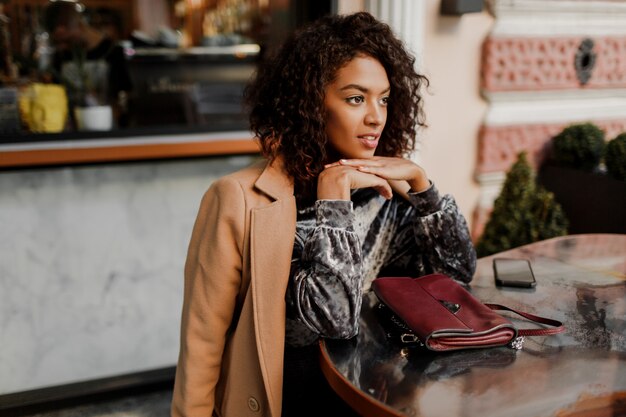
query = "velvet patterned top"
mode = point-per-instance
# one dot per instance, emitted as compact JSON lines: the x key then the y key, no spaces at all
{"x":342,"y":246}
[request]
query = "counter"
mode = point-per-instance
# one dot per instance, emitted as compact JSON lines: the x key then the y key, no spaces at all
{"x":99,"y":148}
{"x":94,"y":238}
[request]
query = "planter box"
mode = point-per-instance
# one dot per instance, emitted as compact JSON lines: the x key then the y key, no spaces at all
{"x":593,"y":203}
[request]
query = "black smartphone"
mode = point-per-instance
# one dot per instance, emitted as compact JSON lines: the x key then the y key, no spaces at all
{"x":513,"y":273}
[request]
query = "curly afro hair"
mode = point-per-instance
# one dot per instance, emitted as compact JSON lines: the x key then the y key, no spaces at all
{"x":286,"y":98}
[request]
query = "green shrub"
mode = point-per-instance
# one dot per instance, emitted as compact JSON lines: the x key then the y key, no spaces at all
{"x":579,"y":146}
{"x":523,"y":213}
{"x":615,"y":157}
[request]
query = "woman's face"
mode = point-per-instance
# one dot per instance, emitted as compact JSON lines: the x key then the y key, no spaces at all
{"x":356,"y":108}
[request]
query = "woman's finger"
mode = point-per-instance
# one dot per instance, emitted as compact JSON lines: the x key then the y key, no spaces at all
{"x":333,"y":164}
{"x":384,"y":190}
{"x":379,"y":184}
{"x":361,"y":162}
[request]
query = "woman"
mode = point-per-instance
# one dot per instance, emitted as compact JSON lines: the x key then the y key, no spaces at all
{"x":282,"y":251}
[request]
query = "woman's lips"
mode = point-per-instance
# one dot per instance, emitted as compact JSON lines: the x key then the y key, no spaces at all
{"x":369,"y":141}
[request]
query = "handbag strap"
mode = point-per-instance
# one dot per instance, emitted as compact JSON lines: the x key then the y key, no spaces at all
{"x":558,"y":326}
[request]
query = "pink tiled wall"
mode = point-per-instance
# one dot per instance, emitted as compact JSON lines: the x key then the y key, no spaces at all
{"x":514,"y":64}
{"x":532,"y":63}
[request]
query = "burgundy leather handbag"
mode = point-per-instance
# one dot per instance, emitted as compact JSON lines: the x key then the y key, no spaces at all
{"x":441,"y":315}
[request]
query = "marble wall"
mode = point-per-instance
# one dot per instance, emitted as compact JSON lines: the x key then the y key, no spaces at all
{"x":91,"y":265}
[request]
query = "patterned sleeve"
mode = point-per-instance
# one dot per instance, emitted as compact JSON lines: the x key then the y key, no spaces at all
{"x":324,"y":291}
{"x":434,"y":237}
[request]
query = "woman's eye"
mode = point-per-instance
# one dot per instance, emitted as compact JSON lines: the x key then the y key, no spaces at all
{"x":355,"y":100}
{"x":384,"y":101}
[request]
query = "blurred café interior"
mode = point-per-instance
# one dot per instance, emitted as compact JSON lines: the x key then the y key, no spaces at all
{"x":187,"y":61}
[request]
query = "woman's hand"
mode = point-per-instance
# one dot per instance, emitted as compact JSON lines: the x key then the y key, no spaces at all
{"x":389,"y":168}
{"x":336,"y":181}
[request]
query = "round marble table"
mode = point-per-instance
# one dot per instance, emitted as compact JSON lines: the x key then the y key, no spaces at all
{"x":581,"y":280}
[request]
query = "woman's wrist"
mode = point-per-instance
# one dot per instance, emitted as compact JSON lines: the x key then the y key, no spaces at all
{"x":417,"y":186}
{"x":420,"y":181}
{"x":332,"y":187}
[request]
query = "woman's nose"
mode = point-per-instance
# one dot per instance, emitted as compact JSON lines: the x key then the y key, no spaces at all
{"x":375,"y":115}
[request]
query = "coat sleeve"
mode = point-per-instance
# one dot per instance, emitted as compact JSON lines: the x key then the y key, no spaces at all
{"x":212,"y":281}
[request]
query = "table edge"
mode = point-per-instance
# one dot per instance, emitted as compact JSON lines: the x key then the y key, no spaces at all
{"x":362,"y":403}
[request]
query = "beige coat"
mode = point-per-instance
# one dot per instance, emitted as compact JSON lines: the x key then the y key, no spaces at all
{"x":233,"y":319}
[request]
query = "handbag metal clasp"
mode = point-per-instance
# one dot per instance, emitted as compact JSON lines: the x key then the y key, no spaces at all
{"x":409,"y":338}
{"x":452,"y":307}
{"x":517,"y":343}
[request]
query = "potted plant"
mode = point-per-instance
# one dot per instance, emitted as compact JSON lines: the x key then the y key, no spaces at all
{"x":579,"y":147}
{"x":615,"y":157}
{"x":593,"y":201}
{"x":523,"y":213}
{"x":86,"y":82}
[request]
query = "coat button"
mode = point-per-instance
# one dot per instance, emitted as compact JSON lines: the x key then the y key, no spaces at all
{"x":253,"y":404}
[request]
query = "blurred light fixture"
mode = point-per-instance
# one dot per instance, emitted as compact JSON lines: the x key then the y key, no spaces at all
{"x":459,"y":7}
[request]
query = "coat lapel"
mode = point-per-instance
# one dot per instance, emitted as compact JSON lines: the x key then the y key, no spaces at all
{"x":272,"y":236}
